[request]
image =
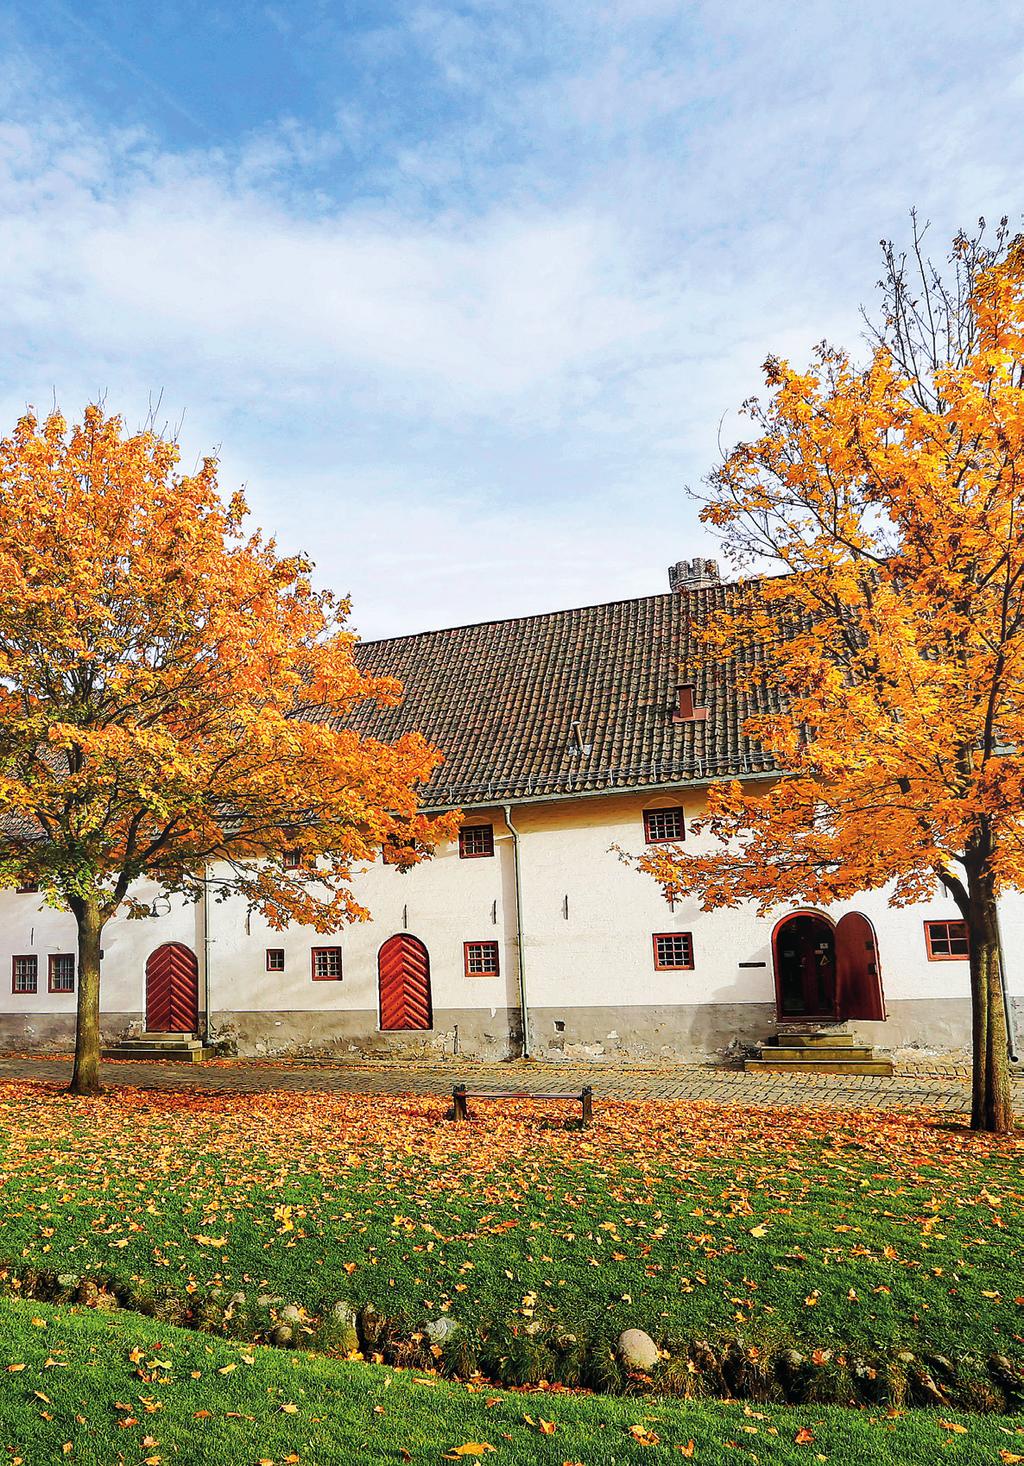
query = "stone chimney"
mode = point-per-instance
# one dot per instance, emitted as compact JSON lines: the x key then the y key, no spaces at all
{"x":694,"y":574}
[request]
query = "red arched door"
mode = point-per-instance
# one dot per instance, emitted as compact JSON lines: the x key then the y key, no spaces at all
{"x":858,"y":975}
{"x":172,"y":990}
{"x":403,"y":971}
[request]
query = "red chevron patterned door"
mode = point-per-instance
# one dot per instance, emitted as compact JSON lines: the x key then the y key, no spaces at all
{"x":403,"y":968}
{"x":172,"y":990}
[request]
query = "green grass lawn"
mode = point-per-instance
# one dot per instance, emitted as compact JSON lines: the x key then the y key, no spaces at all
{"x":122,"y":1388}
{"x":848,"y":1237}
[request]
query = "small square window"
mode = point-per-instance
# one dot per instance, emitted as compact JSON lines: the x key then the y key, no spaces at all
{"x":292,"y":859}
{"x":326,"y":963}
{"x":476,"y":840}
{"x":482,"y":959}
{"x":673,"y":950}
{"x":947,"y":941}
{"x":25,"y":975}
{"x":663,"y":825}
{"x":275,"y":959}
{"x":62,"y":972}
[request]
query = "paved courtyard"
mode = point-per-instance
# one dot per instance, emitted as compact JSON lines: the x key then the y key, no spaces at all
{"x":945,"y":1092}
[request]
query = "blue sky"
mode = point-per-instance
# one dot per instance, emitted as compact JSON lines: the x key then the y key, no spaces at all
{"x":467,"y":294}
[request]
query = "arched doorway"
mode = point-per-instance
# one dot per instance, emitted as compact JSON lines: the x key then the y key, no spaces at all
{"x":805,"y":966}
{"x":172,"y":990}
{"x":827,"y":972}
{"x":403,"y":979}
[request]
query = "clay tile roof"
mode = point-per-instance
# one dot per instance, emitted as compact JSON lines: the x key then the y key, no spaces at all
{"x":509,"y":702}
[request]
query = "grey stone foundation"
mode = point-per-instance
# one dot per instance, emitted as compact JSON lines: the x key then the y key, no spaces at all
{"x":684,"y":1033}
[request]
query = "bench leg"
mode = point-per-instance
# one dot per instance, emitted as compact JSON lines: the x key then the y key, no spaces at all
{"x":587,"y":1101}
{"x":460,"y":1105}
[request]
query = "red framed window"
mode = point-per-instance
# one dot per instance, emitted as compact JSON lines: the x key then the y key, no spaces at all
{"x":326,"y":964}
{"x":947,"y":941}
{"x":24,"y":974}
{"x":275,"y":959}
{"x":673,"y":951}
{"x":475,"y":841}
{"x":481,"y":959}
{"x":662,"y":825}
{"x":28,"y":888}
{"x":61,"y":972}
{"x":291,"y":859}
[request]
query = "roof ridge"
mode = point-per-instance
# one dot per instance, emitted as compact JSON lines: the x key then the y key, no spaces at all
{"x":530,"y":616}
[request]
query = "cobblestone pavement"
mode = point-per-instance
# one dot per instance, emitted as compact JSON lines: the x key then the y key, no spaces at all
{"x":945,"y":1092}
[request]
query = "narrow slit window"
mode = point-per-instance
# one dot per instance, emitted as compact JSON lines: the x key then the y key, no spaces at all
{"x":663,"y":825}
{"x":482,"y":959}
{"x":25,"y":974}
{"x":326,"y":964}
{"x":673,"y":951}
{"x":62,"y":972}
{"x":475,"y":841}
{"x":947,"y":941}
{"x":275,"y":959}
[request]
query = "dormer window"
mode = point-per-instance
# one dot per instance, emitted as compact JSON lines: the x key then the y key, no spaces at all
{"x":686,"y":709}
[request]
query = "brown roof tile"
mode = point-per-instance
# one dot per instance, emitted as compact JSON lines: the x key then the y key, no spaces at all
{"x":503,"y":701}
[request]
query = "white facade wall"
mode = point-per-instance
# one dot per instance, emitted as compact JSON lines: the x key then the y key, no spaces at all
{"x":591,"y":983}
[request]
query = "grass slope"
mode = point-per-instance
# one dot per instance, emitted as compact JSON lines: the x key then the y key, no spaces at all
{"x":95,"y":1389}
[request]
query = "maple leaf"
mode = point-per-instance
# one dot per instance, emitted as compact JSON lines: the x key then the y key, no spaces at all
{"x":643,"y":1436}
{"x":804,"y":1436}
{"x":471,"y":1448}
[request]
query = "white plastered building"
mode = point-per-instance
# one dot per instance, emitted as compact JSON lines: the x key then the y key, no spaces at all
{"x":567,"y":737}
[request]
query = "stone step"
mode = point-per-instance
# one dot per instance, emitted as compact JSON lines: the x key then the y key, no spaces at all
{"x":165,"y":1041}
{"x":826,"y":1056}
{"x":183,"y":1053}
{"x":820,"y":1064}
{"x":812,"y":1040}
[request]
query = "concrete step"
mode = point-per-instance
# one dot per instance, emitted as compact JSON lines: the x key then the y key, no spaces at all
{"x":825,"y":1055}
{"x":159,"y":1037}
{"x":820,"y":1064}
{"x":183,"y":1053}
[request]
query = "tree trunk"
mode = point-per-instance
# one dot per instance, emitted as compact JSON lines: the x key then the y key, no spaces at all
{"x":992,"y":1099}
{"x":86,"y":1078}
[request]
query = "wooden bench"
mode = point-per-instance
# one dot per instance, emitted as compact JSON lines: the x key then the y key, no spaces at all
{"x":461,"y":1097}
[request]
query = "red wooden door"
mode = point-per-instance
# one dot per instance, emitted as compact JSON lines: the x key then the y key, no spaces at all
{"x":858,"y":975}
{"x":403,"y":970}
{"x":172,"y":990}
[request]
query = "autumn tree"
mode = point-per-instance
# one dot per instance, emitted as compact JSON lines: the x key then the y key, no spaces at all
{"x":882,"y":640}
{"x":175,"y":697}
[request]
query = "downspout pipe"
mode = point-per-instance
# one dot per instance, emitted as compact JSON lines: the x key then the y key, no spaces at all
{"x":516,"y":866}
{"x":207,"y":1032}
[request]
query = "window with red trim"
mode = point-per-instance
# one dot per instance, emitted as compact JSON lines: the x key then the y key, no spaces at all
{"x":481,"y":959}
{"x":291,"y":859}
{"x":28,"y":888}
{"x":661,"y":825}
{"x":947,"y":941}
{"x":24,"y":974}
{"x":673,"y":951}
{"x":61,"y":972}
{"x":326,"y":963}
{"x":476,"y":840}
{"x":275,"y":959}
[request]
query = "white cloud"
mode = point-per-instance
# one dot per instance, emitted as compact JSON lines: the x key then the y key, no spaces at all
{"x":473,"y":367}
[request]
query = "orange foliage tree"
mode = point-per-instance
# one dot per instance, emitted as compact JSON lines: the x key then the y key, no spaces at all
{"x":887,"y":657}
{"x":174,"y":698}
